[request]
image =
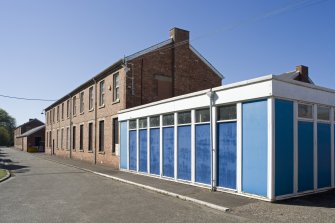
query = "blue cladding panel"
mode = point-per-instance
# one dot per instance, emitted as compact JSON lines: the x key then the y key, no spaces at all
{"x":168,"y":152}
{"x":184,"y":152}
{"x":284,"y":147}
{"x":123,"y":145}
{"x":226,"y":161}
{"x":305,"y":156}
{"x":132,"y":150}
{"x":154,"y":151}
{"x":143,"y":165}
{"x":254,"y":147}
{"x":202,"y":154}
{"x":324,"y":155}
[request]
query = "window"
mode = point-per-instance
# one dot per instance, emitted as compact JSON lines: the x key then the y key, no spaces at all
{"x":53,"y":115}
{"x":50,"y":139}
{"x":57,"y":139}
{"x":74,"y":105}
{"x":101,"y":136}
{"x":61,"y":138}
{"x":168,"y":119}
{"x":67,"y":137}
{"x":58,"y":113}
{"x":116,"y":87}
{"x":227,"y":112}
{"x":90,"y":136}
{"x":81,"y":102}
{"x":90,"y":100}
{"x":47,"y":137}
{"x":202,"y":115}
{"x":102,"y":93}
{"x":132,"y":124}
{"x":305,"y":111}
{"x":81,"y":135}
{"x":323,"y":113}
{"x":184,"y":117}
{"x":142,"y":123}
{"x":68,"y":108}
{"x":154,"y":121}
{"x":74,"y":138}
{"x":62,"y":111}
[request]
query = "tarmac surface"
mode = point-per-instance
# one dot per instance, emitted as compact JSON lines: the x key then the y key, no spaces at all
{"x":46,"y":188}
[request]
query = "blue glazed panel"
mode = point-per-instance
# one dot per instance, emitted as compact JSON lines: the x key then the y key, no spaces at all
{"x":284,"y":147}
{"x":254,"y":147}
{"x":143,"y":150}
{"x":226,"y":160}
{"x":324,"y":155}
{"x":168,"y":152}
{"x":132,"y":150}
{"x":123,"y":145}
{"x":184,"y":152}
{"x":305,"y":156}
{"x":202,"y":154}
{"x":154,"y":151}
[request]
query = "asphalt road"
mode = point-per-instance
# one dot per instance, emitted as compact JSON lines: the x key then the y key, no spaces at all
{"x":44,"y":191}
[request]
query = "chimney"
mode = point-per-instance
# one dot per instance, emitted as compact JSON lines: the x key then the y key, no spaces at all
{"x":179,"y":35}
{"x":303,"y":73}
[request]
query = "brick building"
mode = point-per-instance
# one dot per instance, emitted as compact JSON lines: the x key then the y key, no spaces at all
{"x":84,"y":123}
{"x":20,"y":142}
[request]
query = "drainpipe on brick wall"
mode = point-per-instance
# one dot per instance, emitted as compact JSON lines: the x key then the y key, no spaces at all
{"x":173,"y":63}
{"x":210,"y":94}
{"x":95,"y":120}
{"x":70,"y":132}
{"x":50,"y":143}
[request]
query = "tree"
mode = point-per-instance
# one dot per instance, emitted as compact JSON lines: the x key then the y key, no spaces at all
{"x":4,"y":136}
{"x":7,"y":126}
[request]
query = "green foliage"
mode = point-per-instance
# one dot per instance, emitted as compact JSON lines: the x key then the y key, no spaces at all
{"x":7,"y":126}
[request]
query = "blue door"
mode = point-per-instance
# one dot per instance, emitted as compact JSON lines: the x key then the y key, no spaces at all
{"x":226,"y":155}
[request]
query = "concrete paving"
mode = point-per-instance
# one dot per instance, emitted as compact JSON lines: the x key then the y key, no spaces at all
{"x":42,"y":190}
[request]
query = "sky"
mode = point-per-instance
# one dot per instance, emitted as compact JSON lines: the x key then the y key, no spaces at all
{"x":48,"y":48}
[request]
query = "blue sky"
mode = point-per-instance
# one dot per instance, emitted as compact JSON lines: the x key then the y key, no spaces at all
{"x":47,"y":48}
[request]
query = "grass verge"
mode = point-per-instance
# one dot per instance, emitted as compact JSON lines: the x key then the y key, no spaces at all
{"x":3,"y":173}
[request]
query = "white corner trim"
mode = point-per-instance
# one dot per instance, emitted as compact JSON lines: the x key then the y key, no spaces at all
{"x":239,"y":148}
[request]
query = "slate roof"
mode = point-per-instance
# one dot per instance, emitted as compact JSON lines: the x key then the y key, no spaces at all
{"x":31,"y":131}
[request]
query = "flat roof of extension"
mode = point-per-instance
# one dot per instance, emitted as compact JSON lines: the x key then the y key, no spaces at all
{"x":283,"y":78}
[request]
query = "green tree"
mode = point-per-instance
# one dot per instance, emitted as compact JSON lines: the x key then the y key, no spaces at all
{"x":7,"y":126}
{"x":4,"y":136}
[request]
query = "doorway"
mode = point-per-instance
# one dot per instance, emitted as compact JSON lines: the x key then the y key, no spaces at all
{"x":115,"y":133}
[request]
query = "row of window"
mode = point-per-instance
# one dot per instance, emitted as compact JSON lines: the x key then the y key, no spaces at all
{"x":116,"y":97}
{"x":224,"y":113}
{"x":54,"y":143}
{"x":306,"y":111}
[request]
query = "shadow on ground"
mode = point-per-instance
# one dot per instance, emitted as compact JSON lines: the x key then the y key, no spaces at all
{"x":10,"y":165}
{"x":325,"y":199}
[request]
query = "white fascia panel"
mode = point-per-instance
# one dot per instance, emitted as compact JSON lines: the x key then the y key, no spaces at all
{"x":244,"y":93}
{"x":302,"y":93}
{"x":223,"y":96}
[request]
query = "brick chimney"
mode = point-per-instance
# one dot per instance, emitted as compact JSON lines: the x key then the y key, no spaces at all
{"x":179,"y":35}
{"x":303,"y":73}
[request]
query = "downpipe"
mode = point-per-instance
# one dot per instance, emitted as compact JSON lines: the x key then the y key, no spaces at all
{"x":211,"y":95}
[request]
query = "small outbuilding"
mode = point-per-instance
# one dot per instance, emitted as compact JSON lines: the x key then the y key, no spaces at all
{"x":33,"y":140}
{"x":270,"y":138}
